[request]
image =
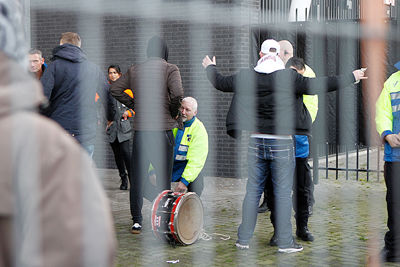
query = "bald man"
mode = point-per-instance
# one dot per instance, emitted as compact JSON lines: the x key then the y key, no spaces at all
{"x":286,"y":50}
{"x":190,"y":152}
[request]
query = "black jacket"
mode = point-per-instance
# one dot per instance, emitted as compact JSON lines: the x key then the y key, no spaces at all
{"x":70,"y":83}
{"x":271,"y":103}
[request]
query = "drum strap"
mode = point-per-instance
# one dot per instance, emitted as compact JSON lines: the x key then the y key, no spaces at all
{"x":207,"y":237}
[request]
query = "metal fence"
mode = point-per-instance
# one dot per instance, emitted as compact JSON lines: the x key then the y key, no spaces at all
{"x":319,"y":10}
{"x":348,"y":161}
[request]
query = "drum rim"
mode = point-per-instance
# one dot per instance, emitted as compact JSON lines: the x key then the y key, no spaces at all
{"x":175,"y":223}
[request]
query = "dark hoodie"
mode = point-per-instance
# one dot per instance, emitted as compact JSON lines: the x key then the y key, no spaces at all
{"x":70,"y":83}
{"x":157,"y":47}
{"x":155,"y":84}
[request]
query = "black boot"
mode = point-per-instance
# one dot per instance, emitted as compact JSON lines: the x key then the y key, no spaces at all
{"x":124,"y":183}
{"x":263,"y":207}
{"x":304,"y":234}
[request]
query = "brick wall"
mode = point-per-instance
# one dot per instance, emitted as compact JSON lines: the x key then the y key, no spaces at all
{"x":116,"y":33}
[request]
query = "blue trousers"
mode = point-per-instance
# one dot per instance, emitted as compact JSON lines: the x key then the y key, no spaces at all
{"x":269,"y":159}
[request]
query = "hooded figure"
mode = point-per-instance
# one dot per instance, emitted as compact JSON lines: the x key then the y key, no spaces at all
{"x":53,"y":210}
{"x":157,"y":47}
{"x":156,"y":84}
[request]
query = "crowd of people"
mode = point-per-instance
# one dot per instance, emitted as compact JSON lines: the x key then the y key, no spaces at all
{"x":275,"y":101}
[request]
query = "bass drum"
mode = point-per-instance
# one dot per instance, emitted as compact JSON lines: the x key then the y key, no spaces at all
{"x":177,"y":217}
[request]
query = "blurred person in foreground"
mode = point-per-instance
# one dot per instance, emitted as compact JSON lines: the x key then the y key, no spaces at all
{"x":119,"y":131}
{"x":155,"y":84}
{"x":388,"y":126}
{"x":53,"y":209}
{"x":268,"y":102}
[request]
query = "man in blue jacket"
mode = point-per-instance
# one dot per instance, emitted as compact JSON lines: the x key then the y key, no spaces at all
{"x":70,"y":83}
{"x":190,"y":152}
{"x":388,"y":126}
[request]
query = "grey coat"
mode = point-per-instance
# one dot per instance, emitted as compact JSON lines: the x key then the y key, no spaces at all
{"x":120,"y":130}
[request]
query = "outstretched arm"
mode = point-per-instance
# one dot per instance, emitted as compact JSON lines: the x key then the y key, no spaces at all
{"x":220,"y":82}
{"x":313,"y":86}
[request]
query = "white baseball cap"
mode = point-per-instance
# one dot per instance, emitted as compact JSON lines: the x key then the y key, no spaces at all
{"x":268,"y":44}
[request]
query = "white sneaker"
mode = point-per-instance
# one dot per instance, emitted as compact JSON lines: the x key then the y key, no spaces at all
{"x":294,"y":247}
{"x":240,"y":246}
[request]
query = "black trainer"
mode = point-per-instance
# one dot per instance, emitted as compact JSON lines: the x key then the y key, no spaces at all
{"x":136,"y":228}
{"x":292,"y":248}
{"x":387,"y":256}
{"x":263,"y":207}
{"x":124,"y":183}
{"x":273,"y":242}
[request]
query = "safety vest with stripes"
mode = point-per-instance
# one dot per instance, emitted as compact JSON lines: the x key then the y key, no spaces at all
{"x":388,"y":114}
{"x":190,"y":151}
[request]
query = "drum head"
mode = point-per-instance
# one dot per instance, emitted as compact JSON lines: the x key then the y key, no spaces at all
{"x":189,"y":220}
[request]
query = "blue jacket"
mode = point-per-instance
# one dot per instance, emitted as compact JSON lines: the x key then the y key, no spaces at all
{"x":70,"y":83}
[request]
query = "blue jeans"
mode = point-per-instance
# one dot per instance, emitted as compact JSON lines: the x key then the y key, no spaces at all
{"x":269,"y":159}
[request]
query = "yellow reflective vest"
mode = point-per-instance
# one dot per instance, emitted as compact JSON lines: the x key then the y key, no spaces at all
{"x":190,"y":151}
{"x":387,"y":116}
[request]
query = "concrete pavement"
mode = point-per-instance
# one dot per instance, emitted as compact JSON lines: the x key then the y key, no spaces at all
{"x":348,"y":223}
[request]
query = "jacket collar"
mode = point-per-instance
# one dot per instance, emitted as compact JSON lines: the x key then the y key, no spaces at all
{"x":189,"y":123}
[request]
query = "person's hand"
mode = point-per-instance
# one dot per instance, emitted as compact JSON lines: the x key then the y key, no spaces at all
{"x":393,"y":140}
{"x":360,"y":74}
{"x":207,"y":61}
{"x":180,"y":187}
{"x":109,"y":123}
{"x":125,"y":115}
{"x":153,"y":179}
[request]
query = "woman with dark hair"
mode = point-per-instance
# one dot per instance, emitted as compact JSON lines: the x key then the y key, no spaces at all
{"x":119,"y":131}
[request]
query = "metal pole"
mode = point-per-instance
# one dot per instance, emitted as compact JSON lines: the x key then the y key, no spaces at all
{"x":326,"y":159}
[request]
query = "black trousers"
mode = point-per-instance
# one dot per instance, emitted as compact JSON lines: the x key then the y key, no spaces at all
{"x":122,"y":156}
{"x":392,"y":180}
{"x":157,"y":148}
{"x":197,"y":185}
{"x":302,"y":198}
{"x":303,"y":189}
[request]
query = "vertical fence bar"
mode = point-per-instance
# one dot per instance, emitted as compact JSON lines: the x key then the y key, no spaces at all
{"x":378,"y":162}
{"x":357,"y":160}
{"x":367,"y":163}
{"x":337,"y":162}
{"x":347,"y":162}
{"x":326,"y":160}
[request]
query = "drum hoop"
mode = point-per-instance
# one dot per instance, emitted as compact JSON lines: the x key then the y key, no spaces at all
{"x":154,"y":211}
{"x":177,"y":207}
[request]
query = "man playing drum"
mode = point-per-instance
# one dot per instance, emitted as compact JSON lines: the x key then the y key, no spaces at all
{"x":190,"y":151}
